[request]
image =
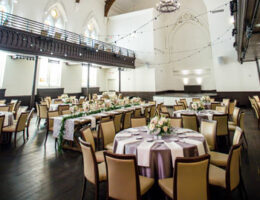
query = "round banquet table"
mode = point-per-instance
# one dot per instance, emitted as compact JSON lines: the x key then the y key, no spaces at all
{"x":156,"y":156}
{"x":9,"y":118}
{"x":203,"y":114}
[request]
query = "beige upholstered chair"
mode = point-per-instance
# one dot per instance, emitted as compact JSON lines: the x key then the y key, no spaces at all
{"x":184,"y":102}
{"x":222,"y":109}
{"x":189,"y":122}
{"x":256,"y":98}
{"x":42,"y":113}
{"x":235,"y":117}
{"x":176,"y":122}
{"x":229,"y":178}
{"x":242,"y":125}
{"x":152,"y":102}
{"x":146,"y":112}
{"x":2,"y":120}
{"x":138,"y":122}
{"x":221,"y":159}
{"x":164,"y":109}
{"x":118,"y":122}
{"x":190,"y":179}
{"x":137,"y":113}
{"x":158,"y":108}
{"x":178,"y":107}
{"x":208,"y":128}
{"x":93,"y":172}
{"x":127,"y":119}
{"x":62,"y":108}
{"x":195,"y":99}
{"x":18,"y":127}
{"x":50,"y":122}
{"x":214,"y":105}
{"x":16,"y":108}
{"x":28,"y":122}
{"x":66,"y":112}
{"x":122,"y":177}
{"x":108,"y":134}
{"x":4,"y":108}
{"x":2,"y":101}
{"x":222,"y":125}
{"x":152,"y":111}
{"x":212,"y":100}
{"x":58,"y":101}
{"x":86,"y":134}
{"x":232,"y":105}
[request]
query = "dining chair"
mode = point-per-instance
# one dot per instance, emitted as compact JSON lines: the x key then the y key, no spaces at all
{"x":256,"y":98}
{"x":86,"y":134}
{"x":214,"y":105}
{"x":43,"y":110}
{"x":208,"y":128}
{"x":4,"y":108}
{"x":212,"y":100}
{"x":190,"y":179}
{"x":28,"y":122}
{"x":178,"y":107}
{"x":164,"y":109}
{"x":235,"y":117}
{"x":18,"y":127}
{"x":222,"y":109}
{"x":16,"y":108}
{"x":222,"y":126}
{"x":242,"y":125}
{"x":63,"y":108}
{"x":165,"y":114}
{"x":232,"y":105}
{"x":152,"y":102}
{"x":189,"y":121}
{"x":138,"y":122}
{"x":118,"y":122}
{"x":93,"y":172}
{"x":66,"y":112}
{"x":50,"y":123}
{"x":2,"y":121}
{"x":229,"y":178}
{"x":108,"y":134}
{"x":152,"y":111}
{"x":221,"y":159}
{"x":146,"y":112}
{"x":127,"y":119}
{"x":158,"y":108}
{"x":184,"y":101}
{"x":58,"y":101}
{"x":123,"y":179}
{"x":195,"y":99}
{"x":2,"y":101}
{"x":137,"y":112}
{"x":176,"y":122}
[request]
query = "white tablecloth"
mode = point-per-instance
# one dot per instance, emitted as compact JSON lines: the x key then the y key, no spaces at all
{"x":9,"y":118}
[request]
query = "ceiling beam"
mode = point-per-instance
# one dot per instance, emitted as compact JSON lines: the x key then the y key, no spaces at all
{"x":108,"y":4}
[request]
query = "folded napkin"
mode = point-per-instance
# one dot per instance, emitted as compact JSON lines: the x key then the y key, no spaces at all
{"x":183,"y":130}
{"x":199,"y":145}
{"x":123,"y":135}
{"x":143,"y":153}
{"x":176,"y":151}
{"x":121,"y":144}
{"x":194,"y":135}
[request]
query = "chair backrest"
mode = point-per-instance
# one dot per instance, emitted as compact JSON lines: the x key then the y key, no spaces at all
{"x":152,"y":111}
{"x":2,"y":120}
{"x":108,"y":132}
{"x":165,"y":114}
{"x":195,"y":99}
{"x":89,"y":161}
{"x":176,"y":122}
{"x":58,"y":101}
{"x":233,"y":168}
{"x":37,"y":109}
{"x":21,"y":123}
{"x":208,"y":128}
{"x":256,"y":98}
{"x":152,"y":102}
{"x":242,"y":121}
{"x":122,"y":177}
{"x":222,"y":124}
{"x":191,"y":178}
{"x":146,"y":112}
{"x":118,"y":122}
{"x":222,"y":109}
{"x":62,"y":108}
{"x":50,"y":120}
{"x":4,"y":108}
{"x":17,"y":106}
{"x":137,"y":112}
{"x":66,"y":112}
{"x":2,"y":101}
{"x":237,"y":135}
{"x":127,"y":119}
{"x":138,"y":122}
{"x":159,"y":106}
{"x":226,"y":101}
{"x":20,"y":110}
{"x":81,"y":101}
{"x":184,"y":102}
{"x":232,"y":105}
{"x":30,"y":116}
{"x":189,"y":122}
{"x":164,"y":109}
{"x":214,"y":105}
{"x":87,"y":135}
{"x":178,"y":107}
{"x":212,"y":100}
{"x":236,"y":115}
{"x":43,"y":111}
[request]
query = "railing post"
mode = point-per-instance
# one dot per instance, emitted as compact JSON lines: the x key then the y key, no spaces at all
{"x":34,"y":82}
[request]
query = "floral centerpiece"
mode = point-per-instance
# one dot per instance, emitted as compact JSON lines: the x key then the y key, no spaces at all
{"x":136,"y":100}
{"x":159,"y":126}
{"x":205,"y":99}
{"x":197,"y":106}
{"x":64,"y":96}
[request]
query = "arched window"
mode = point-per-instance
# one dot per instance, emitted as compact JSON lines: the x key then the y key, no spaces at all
{"x":91,"y":29}
{"x":54,"y":18}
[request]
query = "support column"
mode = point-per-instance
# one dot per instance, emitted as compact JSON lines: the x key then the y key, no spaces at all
{"x":89,"y":65}
{"x":119,"y":72}
{"x":34,"y":82}
{"x":258,"y":69}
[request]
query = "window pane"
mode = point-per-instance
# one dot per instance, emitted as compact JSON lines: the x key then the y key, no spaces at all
{"x":84,"y":76}
{"x":55,"y":74}
{"x":2,"y":67}
{"x":43,"y":73}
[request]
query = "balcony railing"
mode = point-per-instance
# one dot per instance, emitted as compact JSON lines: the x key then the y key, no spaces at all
{"x":20,"y":23}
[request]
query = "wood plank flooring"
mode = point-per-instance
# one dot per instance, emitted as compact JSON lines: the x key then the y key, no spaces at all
{"x":32,"y":171}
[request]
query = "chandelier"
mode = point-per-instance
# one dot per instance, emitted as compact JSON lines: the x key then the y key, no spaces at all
{"x":167,"y":6}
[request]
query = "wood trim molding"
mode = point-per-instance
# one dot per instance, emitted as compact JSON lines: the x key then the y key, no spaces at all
{"x":108,"y":5}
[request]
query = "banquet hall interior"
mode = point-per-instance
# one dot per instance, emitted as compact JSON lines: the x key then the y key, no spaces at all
{"x":129,"y":99}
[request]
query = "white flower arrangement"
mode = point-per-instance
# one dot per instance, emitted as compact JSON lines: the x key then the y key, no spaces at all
{"x":136,"y":100}
{"x":159,"y":126}
{"x":197,"y":106}
{"x":64,"y":96}
{"x":205,"y":99}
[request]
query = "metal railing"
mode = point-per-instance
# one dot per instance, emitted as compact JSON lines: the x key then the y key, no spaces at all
{"x":20,"y":23}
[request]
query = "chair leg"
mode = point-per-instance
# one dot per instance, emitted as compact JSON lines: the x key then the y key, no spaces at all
{"x":23,"y":135}
{"x":15,"y":139}
{"x":39,"y":122}
{"x":46,"y":137}
{"x":244,"y":135}
{"x":97,"y":192}
{"x":27,"y":131}
{"x":243,"y":186}
{"x":83,"y":187}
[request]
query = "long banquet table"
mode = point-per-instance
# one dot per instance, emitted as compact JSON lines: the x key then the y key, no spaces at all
{"x":156,"y":157}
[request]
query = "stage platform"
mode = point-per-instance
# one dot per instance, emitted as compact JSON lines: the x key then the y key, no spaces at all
{"x":169,"y":99}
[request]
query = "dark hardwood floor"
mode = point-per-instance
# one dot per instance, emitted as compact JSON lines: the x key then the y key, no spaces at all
{"x":32,"y":171}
